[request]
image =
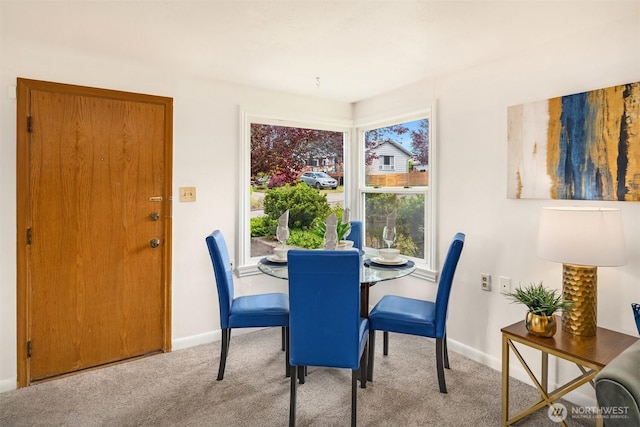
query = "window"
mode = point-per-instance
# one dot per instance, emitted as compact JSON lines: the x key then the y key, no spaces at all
{"x":278,"y":153}
{"x":396,"y":178}
{"x":387,"y":163}
{"x":392,"y":172}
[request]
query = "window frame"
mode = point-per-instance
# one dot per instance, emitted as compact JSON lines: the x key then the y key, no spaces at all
{"x":426,"y":267}
{"x":246,"y":265}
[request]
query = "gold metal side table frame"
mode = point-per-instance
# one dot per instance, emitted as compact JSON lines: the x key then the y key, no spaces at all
{"x":590,"y":354}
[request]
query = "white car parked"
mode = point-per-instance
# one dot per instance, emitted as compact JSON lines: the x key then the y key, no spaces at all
{"x":319,"y":180}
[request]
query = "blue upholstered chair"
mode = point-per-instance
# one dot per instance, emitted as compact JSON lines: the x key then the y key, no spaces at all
{"x":356,"y":234}
{"x":251,"y":311}
{"x":324,"y":323}
{"x":418,"y":317}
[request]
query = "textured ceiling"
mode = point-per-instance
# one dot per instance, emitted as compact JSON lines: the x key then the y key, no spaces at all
{"x":358,"y":49}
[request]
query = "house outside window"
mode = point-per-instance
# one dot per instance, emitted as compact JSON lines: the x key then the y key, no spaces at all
{"x":396,"y":180}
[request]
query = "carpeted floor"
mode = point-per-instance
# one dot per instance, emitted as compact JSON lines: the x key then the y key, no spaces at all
{"x":180,"y":389}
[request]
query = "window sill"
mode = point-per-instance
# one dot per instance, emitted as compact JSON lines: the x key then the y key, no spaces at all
{"x":247,"y":270}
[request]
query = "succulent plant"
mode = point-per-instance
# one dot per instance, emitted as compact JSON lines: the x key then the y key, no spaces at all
{"x":540,"y":300}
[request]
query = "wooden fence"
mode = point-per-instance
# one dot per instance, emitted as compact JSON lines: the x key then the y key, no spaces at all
{"x":398,"y":179}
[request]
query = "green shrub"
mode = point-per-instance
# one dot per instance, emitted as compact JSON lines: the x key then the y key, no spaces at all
{"x":304,"y":239}
{"x":263,"y":226}
{"x":406,"y":246}
{"x":304,"y":204}
{"x":409,"y":223}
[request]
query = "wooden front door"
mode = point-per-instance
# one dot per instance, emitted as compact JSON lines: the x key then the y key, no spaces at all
{"x":94,"y":199}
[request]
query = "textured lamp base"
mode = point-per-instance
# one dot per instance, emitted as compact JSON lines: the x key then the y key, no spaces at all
{"x":579,"y":284}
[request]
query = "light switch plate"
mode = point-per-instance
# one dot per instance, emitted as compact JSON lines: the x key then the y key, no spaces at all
{"x":187,"y":194}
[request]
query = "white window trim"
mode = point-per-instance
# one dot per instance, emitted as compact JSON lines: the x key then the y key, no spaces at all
{"x":354,"y":168}
{"x":425,"y":270}
{"x":245,"y":264}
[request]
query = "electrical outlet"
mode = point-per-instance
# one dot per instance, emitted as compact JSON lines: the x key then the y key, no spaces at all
{"x":485,"y":282}
{"x":505,"y":285}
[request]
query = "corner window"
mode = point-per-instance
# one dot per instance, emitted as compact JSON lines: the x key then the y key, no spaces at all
{"x":393,"y":172}
{"x":396,"y":180}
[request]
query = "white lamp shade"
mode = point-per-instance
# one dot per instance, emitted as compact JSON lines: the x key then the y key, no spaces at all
{"x":582,"y":236}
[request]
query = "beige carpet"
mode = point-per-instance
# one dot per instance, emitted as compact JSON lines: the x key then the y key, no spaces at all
{"x":180,"y":389}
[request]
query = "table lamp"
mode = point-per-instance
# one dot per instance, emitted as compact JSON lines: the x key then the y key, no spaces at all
{"x":582,"y":239}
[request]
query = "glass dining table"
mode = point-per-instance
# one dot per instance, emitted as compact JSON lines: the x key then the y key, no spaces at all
{"x":371,"y":272}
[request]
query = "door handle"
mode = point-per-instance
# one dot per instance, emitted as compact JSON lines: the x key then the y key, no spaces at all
{"x":154,"y":216}
{"x":154,"y":243}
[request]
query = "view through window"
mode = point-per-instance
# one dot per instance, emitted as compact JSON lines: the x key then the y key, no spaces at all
{"x":396,"y":184}
{"x":294,"y":168}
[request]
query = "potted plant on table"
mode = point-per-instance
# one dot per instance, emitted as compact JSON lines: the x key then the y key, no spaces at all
{"x":542,"y":303}
{"x":342,"y":229}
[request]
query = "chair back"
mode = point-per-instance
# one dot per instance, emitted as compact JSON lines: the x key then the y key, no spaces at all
{"x":446,"y":281}
{"x":324,"y":308}
{"x":223,"y":273}
{"x":356,"y":234}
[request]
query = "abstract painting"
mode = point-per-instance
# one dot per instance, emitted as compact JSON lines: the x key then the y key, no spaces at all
{"x":584,"y":146}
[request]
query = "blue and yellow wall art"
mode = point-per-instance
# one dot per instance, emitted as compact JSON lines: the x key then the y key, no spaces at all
{"x":584,"y":146}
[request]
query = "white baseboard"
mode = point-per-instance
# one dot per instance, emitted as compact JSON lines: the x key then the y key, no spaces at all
{"x":194,"y":340}
{"x":474,"y":354}
{"x":8,"y":384}
{"x":206,"y":338}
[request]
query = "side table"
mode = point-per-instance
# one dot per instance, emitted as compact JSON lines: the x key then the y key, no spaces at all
{"x":590,"y":354}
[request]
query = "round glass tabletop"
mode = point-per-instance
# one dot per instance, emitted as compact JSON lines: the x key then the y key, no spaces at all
{"x":370,"y":271}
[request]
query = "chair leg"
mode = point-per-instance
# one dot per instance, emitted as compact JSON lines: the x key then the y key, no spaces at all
{"x":224,"y":350}
{"x":354,"y":396}
{"x":302,"y":372}
{"x":284,"y":338}
{"x":292,"y":401}
{"x":286,"y":354}
{"x":372,"y":350}
{"x":363,"y":367}
{"x":385,"y":343}
{"x":446,"y":352}
{"x":439,"y":364}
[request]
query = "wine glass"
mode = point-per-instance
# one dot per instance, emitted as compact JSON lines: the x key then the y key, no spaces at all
{"x":389,"y":235}
{"x":282,"y":234}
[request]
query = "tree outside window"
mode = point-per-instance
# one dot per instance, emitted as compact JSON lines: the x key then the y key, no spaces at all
{"x":280,"y":155}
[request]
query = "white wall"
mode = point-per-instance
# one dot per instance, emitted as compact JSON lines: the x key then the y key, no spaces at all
{"x":206,"y":153}
{"x":471,"y":193}
{"x":472,"y":172}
